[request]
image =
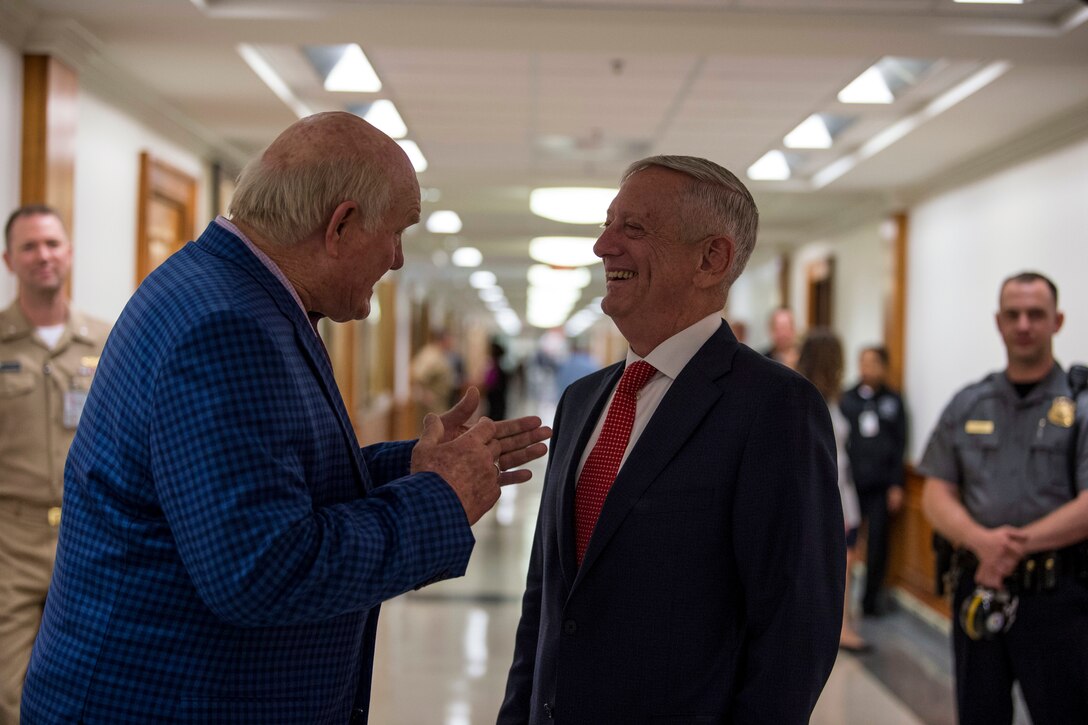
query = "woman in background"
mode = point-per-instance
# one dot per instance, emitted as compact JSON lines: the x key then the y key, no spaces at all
{"x":821,"y":361}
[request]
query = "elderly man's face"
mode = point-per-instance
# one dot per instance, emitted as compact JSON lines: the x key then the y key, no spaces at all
{"x":370,"y":254}
{"x":649,"y":269}
{"x":39,"y":254}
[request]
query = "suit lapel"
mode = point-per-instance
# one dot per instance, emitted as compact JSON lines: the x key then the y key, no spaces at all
{"x":222,"y":243}
{"x":691,"y":396}
{"x":584,"y":421}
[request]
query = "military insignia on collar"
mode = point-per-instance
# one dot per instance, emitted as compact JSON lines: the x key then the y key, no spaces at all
{"x":1061,"y":412}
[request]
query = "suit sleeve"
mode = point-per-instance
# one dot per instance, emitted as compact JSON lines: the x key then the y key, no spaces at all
{"x":791,"y":555}
{"x":229,"y":441}
{"x":388,"y":461}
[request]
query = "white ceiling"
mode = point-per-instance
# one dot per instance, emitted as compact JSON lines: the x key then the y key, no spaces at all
{"x":505,"y":95}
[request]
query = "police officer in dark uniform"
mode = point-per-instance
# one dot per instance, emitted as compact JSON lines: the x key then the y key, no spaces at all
{"x":878,"y":439}
{"x":1007,"y":483}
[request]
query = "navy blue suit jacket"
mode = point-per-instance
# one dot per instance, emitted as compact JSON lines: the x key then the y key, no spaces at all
{"x":712,"y":587}
{"x":225,"y":542}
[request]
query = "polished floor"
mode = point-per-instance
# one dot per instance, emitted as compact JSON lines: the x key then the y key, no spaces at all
{"x":443,"y":652}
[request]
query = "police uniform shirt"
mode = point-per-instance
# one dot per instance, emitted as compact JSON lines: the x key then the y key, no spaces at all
{"x":1010,"y":456}
{"x":41,"y":390}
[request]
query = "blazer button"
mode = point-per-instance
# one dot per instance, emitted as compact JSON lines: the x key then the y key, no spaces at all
{"x":570,"y":626}
{"x":358,"y":716}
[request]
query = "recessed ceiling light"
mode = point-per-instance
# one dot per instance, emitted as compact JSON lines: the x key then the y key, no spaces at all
{"x":482,"y":279}
{"x":573,"y":205}
{"x":419,"y":163}
{"x":545,"y":277}
{"x":812,"y":133}
{"x":467,"y":257}
{"x":443,"y":221}
{"x":869,"y":87}
{"x":992,"y":2}
{"x":563,"y":251}
{"x":772,"y":166}
{"x":383,"y":115}
{"x":353,"y":73}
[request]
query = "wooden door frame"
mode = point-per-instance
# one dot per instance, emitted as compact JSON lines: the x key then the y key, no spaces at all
{"x":159,"y":179}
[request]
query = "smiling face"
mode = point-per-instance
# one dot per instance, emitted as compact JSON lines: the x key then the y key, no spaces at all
{"x":1028,"y":319}
{"x":39,"y":253}
{"x":650,"y":271}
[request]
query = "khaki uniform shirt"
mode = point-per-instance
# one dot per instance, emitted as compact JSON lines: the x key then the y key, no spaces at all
{"x":41,"y":395}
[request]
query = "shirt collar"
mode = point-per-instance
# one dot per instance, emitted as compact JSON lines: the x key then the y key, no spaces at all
{"x":225,"y":223}
{"x":672,"y":355}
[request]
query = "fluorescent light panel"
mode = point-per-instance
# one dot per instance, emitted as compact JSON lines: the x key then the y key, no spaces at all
{"x":869,"y":87}
{"x":563,"y":251}
{"x":812,"y":133}
{"x":271,"y":78}
{"x":419,"y":162}
{"x":573,"y":205}
{"x":772,"y":166}
{"x":467,"y":257}
{"x":443,"y":221}
{"x":353,"y":73}
{"x":383,"y":115}
{"x":482,"y":279}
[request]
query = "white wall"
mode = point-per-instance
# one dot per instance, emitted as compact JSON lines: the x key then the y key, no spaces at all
{"x":962,"y":245}
{"x":861,"y":257}
{"x":107,"y":178}
{"x":11,"y":124}
{"x":751,"y":299}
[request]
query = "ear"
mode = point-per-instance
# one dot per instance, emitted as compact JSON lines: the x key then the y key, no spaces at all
{"x":7,"y":261}
{"x":1059,"y":320}
{"x":715,"y":262}
{"x":334,"y":230}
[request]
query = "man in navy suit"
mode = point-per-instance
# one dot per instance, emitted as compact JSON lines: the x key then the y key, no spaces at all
{"x":226,"y":542}
{"x":704,"y":581}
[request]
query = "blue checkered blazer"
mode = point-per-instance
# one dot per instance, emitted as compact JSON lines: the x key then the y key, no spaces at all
{"x":225,"y":542}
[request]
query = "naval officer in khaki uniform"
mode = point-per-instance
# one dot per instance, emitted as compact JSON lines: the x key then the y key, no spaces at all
{"x":48,"y":355}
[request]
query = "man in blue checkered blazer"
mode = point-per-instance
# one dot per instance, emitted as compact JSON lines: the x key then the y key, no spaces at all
{"x":225,"y":543}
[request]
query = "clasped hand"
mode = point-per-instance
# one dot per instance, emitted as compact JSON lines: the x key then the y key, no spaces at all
{"x":474,"y":460}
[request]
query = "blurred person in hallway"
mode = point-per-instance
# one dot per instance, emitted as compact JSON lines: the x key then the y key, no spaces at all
{"x":48,"y":355}
{"x":226,"y":543}
{"x":1007,"y":483}
{"x":821,"y":361}
{"x":578,"y":364}
{"x":877,"y":444}
{"x":702,"y":579}
{"x":496,"y":381}
{"x":783,"y":347}
{"x":434,"y":379}
{"x":740,"y":330}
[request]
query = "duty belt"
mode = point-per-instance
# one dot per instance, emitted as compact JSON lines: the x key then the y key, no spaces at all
{"x":1037,"y":573}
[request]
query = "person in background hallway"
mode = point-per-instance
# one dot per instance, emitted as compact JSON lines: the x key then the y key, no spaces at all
{"x":1007,"y":483}
{"x":496,"y":381}
{"x":701,"y":580}
{"x":783,"y":338}
{"x":433,"y":374}
{"x":578,"y":364}
{"x":48,"y":354}
{"x":821,"y":361}
{"x":226,"y":543}
{"x":877,"y":444}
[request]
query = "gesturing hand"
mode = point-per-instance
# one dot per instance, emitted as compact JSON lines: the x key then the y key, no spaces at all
{"x":473,"y":460}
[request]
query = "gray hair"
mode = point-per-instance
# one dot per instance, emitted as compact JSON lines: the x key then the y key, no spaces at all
{"x":715,"y":202}
{"x":288,"y":202}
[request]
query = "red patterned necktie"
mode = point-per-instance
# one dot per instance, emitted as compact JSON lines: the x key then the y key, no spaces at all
{"x":603,"y":462}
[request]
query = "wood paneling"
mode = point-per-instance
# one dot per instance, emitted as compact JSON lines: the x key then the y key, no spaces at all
{"x":166,"y":213}
{"x":910,"y":559}
{"x":50,"y":115}
{"x":895,"y":304}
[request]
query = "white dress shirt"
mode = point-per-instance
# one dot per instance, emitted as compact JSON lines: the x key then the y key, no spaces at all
{"x":669,"y":358}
